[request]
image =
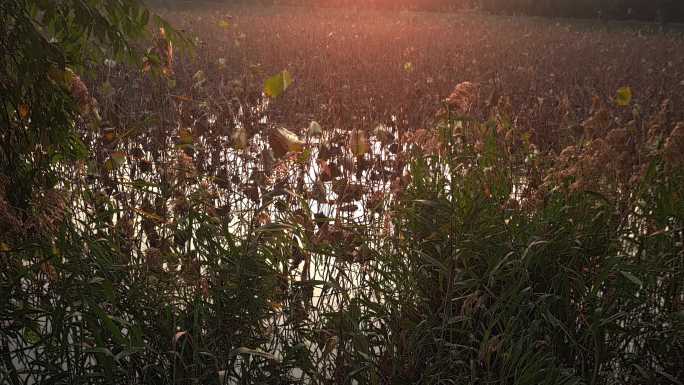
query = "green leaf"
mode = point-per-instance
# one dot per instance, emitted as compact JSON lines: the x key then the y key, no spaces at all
{"x":106,"y":89}
{"x":624,"y":96}
{"x":277,"y":84}
{"x":100,"y":350}
{"x":119,"y":158}
{"x":31,"y":336}
{"x":632,"y":278}
{"x":145,"y":17}
{"x":253,"y":352}
{"x":110,"y":326}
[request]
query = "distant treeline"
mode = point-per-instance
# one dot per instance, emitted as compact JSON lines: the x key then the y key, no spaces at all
{"x":644,"y":10}
{"x":427,"y":5}
{"x":423,"y":5}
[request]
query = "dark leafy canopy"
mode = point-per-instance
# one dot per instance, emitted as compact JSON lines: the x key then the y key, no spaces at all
{"x":42,"y":43}
{"x":44,"y":107}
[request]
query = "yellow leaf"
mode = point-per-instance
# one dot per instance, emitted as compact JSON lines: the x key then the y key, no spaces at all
{"x":624,"y":96}
{"x":358,"y":143}
{"x":224,"y":24}
{"x":185,"y":136}
{"x":62,"y":77}
{"x":148,"y":215}
{"x":277,"y":84}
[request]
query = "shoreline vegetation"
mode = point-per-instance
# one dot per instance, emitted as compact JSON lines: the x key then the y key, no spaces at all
{"x":279,"y":195}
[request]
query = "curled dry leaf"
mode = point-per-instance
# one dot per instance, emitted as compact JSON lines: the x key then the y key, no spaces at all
{"x":239,"y":138}
{"x":180,"y":334}
{"x":185,"y":136}
{"x":383,"y":135}
{"x":462,"y":98}
{"x":314,"y":129}
{"x":283,"y":141}
{"x":348,"y":208}
{"x":23,"y":111}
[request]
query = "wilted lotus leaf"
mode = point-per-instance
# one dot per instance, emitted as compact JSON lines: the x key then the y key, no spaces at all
{"x":80,"y":93}
{"x":303,"y":218}
{"x":106,"y":89}
{"x":314,"y":129}
{"x":251,"y":191}
{"x":263,"y":218}
{"x":283,"y":141}
{"x":325,"y":172}
{"x":116,"y":160}
{"x":267,"y":160}
{"x":223,"y":182}
{"x":62,"y":77}
{"x":358,"y":143}
{"x":347,"y":192}
{"x":239,"y":138}
{"x":108,"y":135}
{"x":222,"y":63}
{"x":347,"y":162}
{"x":598,"y":122}
{"x":323,"y":153}
{"x":375,"y":202}
{"x":153,"y":259}
{"x":362,"y":164}
{"x":184,"y":136}
{"x":199,"y":78}
{"x":349,"y":208}
{"x":383,"y":134}
{"x":463,"y":97}
{"x":674,"y":146}
{"x":328,"y":170}
{"x":23,"y":111}
{"x":137,"y":153}
{"x":339,"y":186}
{"x":318,"y":192}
